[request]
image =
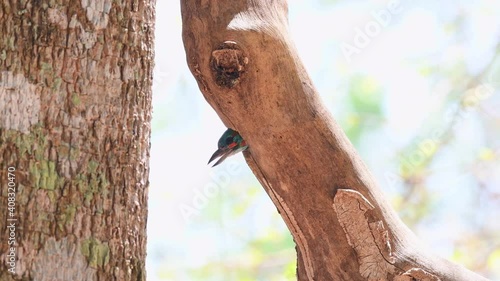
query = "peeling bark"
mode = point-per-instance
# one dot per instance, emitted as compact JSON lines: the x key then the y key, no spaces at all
{"x":371,"y":246}
{"x":299,"y":154}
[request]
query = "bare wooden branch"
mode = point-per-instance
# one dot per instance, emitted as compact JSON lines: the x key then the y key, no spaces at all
{"x":248,"y":70}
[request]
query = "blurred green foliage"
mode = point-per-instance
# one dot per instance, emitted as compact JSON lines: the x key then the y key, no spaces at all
{"x":363,"y":107}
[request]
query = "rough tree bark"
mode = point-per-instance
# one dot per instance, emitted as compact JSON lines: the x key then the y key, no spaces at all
{"x":248,"y":70}
{"x":75,"y":106}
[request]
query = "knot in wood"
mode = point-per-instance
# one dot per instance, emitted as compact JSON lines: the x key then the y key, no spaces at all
{"x":228,"y":63}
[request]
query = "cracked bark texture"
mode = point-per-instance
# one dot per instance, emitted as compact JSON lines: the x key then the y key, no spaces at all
{"x":248,"y":70}
{"x":75,"y":110}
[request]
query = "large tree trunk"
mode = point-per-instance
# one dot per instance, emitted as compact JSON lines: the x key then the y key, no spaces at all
{"x":248,"y":70}
{"x":75,"y":109}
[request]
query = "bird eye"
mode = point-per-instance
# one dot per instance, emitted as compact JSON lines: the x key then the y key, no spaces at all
{"x":229,"y":140}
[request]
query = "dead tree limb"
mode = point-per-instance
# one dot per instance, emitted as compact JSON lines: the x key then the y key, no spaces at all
{"x":248,"y":70}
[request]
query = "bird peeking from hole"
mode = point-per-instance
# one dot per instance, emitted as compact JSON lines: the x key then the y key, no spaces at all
{"x":229,"y":144}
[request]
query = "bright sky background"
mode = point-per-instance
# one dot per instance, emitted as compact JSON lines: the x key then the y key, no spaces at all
{"x":404,"y":43}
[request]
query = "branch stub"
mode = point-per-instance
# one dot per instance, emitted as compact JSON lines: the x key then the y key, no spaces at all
{"x":228,"y":64}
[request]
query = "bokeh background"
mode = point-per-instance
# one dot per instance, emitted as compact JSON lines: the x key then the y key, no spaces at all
{"x":416,"y":87}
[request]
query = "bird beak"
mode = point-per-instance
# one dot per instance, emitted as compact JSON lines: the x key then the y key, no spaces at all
{"x":222,"y":153}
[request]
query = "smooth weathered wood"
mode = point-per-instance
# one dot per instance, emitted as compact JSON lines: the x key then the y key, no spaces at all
{"x":248,"y":70}
{"x":75,"y":108}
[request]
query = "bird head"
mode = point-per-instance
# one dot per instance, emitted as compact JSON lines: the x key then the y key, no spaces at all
{"x":230,"y":143}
